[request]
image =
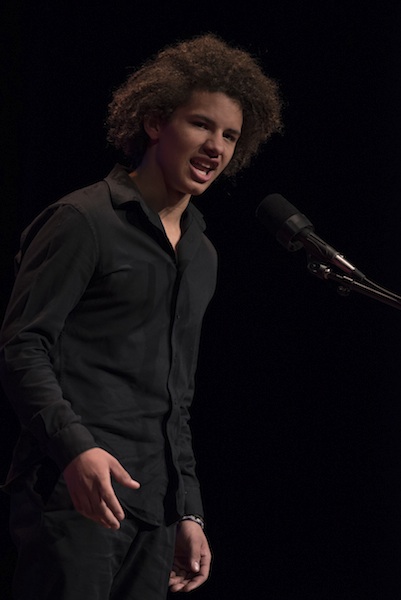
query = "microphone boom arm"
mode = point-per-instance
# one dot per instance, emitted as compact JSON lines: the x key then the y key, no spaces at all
{"x":346,"y":284}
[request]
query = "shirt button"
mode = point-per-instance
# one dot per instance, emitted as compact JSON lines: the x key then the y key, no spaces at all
{"x":178,"y":316}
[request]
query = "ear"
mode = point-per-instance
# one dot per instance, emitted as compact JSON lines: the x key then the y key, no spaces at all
{"x":152,"y":126}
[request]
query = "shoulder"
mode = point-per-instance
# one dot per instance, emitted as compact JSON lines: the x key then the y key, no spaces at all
{"x":91,"y":200}
{"x":73,"y":211}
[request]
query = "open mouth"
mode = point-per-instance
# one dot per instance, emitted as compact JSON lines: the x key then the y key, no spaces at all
{"x":202,"y":167}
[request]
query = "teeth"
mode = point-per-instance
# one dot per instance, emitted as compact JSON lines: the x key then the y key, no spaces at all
{"x":201,"y":167}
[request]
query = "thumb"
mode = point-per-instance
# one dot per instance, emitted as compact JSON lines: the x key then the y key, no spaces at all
{"x":122,"y":476}
{"x":195,"y":566}
{"x":194,"y":559}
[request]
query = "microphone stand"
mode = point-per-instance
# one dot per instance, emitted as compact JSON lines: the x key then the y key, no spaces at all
{"x":346,"y":284}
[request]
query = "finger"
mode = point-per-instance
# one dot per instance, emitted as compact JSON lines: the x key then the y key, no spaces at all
{"x":97,"y":510}
{"x":106,"y":525}
{"x":177,"y":576}
{"x":192,"y":583}
{"x":122,"y":476}
{"x":173,"y":581}
{"x":195,"y":580}
{"x":107,"y":518}
{"x":180,"y":587}
{"x":186,"y":584}
{"x":185,"y":581}
{"x":104,"y":518}
{"x":205,"y":565}
{"x":179,"y":584}
{"x":110,"y":507}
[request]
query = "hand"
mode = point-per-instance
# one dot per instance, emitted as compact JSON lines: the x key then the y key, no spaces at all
{"x":192,"y":558}
{"x":88,"y":478}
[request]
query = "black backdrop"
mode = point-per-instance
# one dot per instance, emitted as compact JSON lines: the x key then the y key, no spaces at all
{"x":297,"y":416}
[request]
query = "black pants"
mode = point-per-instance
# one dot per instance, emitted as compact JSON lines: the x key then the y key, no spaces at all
{"x":64,"y":556}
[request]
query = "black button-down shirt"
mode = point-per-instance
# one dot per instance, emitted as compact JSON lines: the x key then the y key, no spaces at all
{"x":100,"y":341}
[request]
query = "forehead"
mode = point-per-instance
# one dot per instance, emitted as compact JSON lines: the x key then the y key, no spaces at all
{"x":216,"y":106}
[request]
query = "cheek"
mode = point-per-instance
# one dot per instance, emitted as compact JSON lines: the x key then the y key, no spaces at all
{"x":165,"y":155}
{"x":173,"y":147}
{"x":228,"y":156}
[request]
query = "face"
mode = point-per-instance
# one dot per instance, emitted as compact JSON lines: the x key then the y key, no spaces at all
{"x":196,"y":144}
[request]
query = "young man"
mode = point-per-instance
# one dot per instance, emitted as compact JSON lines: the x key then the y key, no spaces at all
{"x":100,"y":340}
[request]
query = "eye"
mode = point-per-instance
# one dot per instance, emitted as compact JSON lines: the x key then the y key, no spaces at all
{"x":231,"y":137}
{"x":200,"y":124}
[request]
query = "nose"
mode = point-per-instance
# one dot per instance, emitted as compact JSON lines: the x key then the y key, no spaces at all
{"x":214,"y":145}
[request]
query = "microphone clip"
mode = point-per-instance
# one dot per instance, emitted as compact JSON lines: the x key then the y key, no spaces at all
{"x":347,"y":283}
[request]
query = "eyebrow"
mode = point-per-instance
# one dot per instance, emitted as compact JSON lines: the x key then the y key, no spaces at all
{"x":211,"y":122}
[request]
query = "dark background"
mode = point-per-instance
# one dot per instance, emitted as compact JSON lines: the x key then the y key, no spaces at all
{"x":297,"y":416}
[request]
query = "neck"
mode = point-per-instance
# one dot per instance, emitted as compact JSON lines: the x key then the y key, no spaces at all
{"x":156,"y":196}
{"x":168,"y":206}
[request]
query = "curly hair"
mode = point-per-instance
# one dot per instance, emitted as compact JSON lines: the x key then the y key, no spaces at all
{"x":165,"y":82}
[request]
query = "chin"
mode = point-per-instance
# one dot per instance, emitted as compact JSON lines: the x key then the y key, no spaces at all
{"x":197,"y":189}
{"x":198,"y":192}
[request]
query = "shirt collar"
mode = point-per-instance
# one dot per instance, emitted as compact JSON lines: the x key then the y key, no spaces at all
{"x":124,"y":192}
{"x":122,"y":188}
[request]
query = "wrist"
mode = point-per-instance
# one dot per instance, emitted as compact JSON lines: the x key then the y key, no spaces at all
{"x":195,"y":519}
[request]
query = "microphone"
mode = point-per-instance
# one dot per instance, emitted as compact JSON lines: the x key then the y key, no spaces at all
{"x":294,"y":231}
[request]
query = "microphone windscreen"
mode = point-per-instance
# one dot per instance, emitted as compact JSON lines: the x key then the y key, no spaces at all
{"x":274,"y":211}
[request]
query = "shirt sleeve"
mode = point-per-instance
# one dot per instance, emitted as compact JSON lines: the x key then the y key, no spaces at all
{"x":57,"y":260}
{"x":193,"y":500}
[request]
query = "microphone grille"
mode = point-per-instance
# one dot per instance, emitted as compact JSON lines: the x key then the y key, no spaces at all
{"x":273,"y":211}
